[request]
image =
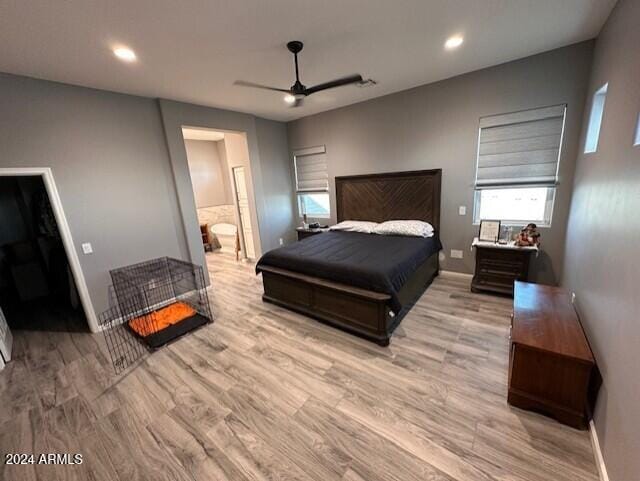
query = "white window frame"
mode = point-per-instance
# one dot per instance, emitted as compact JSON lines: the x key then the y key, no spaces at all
{"x":548,"y":209}
{"x":596,"y":116}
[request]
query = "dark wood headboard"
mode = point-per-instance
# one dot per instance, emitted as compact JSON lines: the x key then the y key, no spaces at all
{"x":411,"y":195}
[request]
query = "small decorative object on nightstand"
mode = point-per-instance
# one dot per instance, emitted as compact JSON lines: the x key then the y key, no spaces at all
{"x":309,"y":231}
{"x":498,"y":266}
{"x":528,"y":236}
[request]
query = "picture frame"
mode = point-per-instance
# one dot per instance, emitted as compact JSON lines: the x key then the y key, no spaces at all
{"x":489,"y":231}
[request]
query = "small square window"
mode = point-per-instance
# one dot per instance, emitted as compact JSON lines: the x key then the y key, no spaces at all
{"x":595,"y":119}
{"x":315,"y":204}
{"x":515,"y":205}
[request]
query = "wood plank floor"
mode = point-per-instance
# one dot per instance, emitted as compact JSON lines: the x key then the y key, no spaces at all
{"x":266,"y":394}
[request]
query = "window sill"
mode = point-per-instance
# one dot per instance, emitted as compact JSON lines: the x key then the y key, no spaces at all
{"x":518,"y":224}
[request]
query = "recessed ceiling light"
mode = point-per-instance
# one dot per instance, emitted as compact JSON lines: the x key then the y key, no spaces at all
{"x":289,"y":98}
{"x":125,"y":54}
{"x":453,"y":42}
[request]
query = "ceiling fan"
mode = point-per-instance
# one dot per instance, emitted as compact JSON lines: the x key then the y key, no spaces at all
{"x":296,"y":94}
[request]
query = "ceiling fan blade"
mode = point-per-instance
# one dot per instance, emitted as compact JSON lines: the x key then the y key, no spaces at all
{"x":351,"y":79}
{"x":242,"y":83}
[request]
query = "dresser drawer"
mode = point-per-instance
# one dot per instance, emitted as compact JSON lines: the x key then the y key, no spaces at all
{"x":502,"y":255}
{"x":496,"y":279}
{"x":498,"y":268}
{"x":491,"y":265}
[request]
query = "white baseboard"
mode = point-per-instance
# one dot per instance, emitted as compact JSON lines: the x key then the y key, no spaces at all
{"x":454,"y":273}
{"x":602,"y":469}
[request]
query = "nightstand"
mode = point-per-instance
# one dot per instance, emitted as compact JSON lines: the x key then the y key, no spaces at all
{"x":302,"y":232}
{"x":498,"y":266}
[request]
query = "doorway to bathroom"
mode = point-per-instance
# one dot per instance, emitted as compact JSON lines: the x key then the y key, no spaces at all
{"x":221,"y":179}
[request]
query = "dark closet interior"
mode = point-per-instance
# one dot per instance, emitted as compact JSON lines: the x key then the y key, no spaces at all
{"x":37,"y":288}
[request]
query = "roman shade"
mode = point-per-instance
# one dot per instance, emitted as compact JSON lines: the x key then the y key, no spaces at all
{"x":520,"y":148}
{"x":311,"y":169}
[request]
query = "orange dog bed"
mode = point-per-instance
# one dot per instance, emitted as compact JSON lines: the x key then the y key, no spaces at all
{"x":161,"y":319}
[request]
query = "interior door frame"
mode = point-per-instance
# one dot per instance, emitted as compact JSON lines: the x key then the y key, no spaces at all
{"x":236,"y":203}
{"x":65,"y":234}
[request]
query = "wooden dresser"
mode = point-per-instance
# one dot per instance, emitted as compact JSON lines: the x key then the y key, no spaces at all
{"x":551,"y":366}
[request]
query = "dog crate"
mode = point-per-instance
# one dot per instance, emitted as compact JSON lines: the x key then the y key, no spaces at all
{"x":154,"y":303}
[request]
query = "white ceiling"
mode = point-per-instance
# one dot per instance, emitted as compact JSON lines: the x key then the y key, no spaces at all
{"x":192,"y":133}
{"x":193,"y":50}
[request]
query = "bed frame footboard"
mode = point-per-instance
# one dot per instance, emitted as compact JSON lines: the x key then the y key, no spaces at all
{"x":359,"y":311}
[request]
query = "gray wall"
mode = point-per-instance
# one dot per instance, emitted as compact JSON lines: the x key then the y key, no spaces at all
{"x":110,"y":164}
{"x":278,"y":193}
{"x":208,"y":171}
{"x":120,"y":167}
{"x":602,"y":264}
{"x":436,"y":125}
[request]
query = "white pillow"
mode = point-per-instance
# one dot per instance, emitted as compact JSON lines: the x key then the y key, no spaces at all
{"x":355,"y":226}
{"x":414,"y":228}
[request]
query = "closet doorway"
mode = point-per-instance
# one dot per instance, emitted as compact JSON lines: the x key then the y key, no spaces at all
{"x":41,"y":284}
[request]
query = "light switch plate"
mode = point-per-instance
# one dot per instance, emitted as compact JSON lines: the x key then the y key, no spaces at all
{"x":456,"y":254}
{"x":462,"y":210}
{"x":87,"y":248}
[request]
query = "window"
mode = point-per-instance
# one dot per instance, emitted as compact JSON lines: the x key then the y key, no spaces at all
{"x":312,"y":182}
{"x":314,"y":205}
{"x":517,"y":165}
{"x":518,"y":205}
{"x":636,"y":141}
{"x":595,"y":120}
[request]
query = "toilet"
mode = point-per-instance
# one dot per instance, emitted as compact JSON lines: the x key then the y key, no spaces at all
{"x":225,"y":235}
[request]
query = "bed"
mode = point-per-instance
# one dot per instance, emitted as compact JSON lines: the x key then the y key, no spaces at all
{"x":362,"y":283}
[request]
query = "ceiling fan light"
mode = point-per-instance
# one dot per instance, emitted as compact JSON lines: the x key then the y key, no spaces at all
{"x":289,"y":99}
{"x":125,"y":54}
{"x":454,"y":42}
